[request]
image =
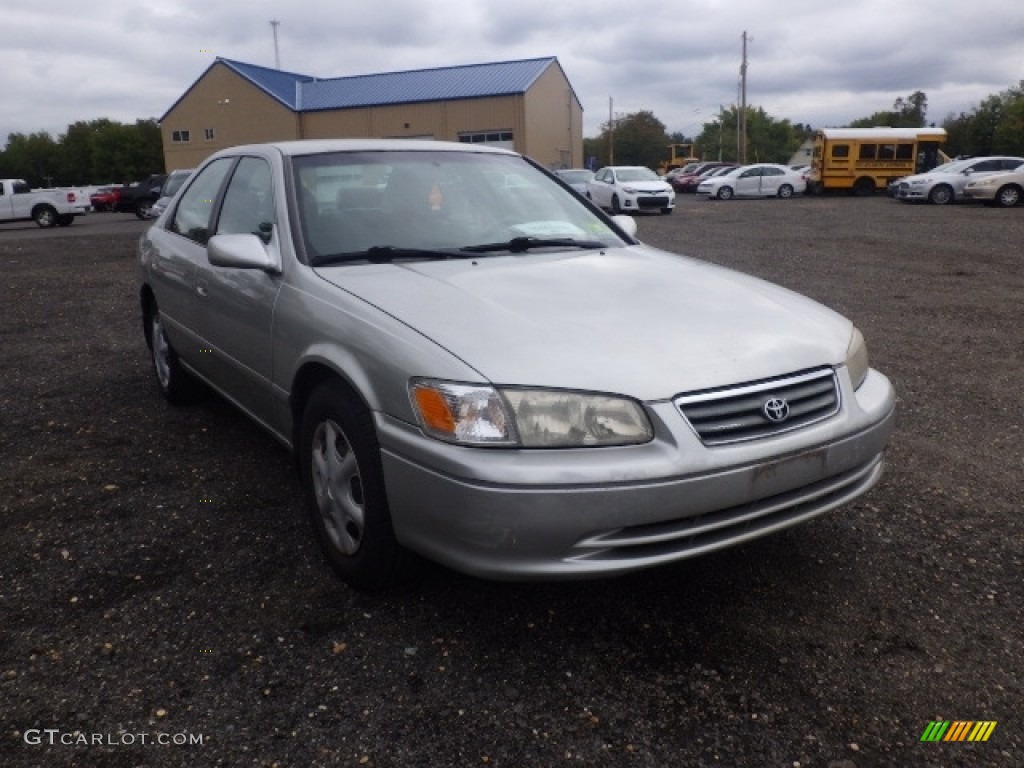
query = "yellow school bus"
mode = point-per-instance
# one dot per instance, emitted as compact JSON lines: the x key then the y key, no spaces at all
{"x":864,"y":160}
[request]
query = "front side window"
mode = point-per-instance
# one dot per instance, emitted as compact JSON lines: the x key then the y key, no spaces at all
{"x":249,"y":200}
{"x":840,"y":151}
{"x":867,"y":151}
{"x":195,"y":209}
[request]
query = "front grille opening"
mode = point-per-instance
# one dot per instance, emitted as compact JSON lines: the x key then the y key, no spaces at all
{"x":738,"y":413}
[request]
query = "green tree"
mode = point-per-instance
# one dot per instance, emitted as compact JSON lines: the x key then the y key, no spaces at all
{"x":905,"y":113}
{"x":33,"y":157}
{"x":636,"y":139}
{"x":768,"y":140}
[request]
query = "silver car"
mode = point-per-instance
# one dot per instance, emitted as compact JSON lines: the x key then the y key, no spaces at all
{"x":945,"y":183}
{"x":499,"y":377}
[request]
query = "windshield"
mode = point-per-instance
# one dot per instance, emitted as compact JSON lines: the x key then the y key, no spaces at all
{"x":174,"y":182}
{"x":419,"y":201}
{"x":576,"y":177}
{"x":636,"y":174}
{"x":954,"y":166}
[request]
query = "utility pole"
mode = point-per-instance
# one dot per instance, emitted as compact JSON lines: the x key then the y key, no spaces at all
{"x":743,"y":104}
{"x":277,"y":56}
{"x":611,"y":134}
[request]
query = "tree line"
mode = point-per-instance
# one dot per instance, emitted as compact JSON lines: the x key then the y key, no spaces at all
{"x":95,"y":152}
{"x":994,"y":127}
{"x":108,"y":152}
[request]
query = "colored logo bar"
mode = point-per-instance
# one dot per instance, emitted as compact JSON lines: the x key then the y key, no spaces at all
{"x":958,"y":730}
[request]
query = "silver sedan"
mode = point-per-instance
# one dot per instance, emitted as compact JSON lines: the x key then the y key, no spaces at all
{"x":473,"y":364}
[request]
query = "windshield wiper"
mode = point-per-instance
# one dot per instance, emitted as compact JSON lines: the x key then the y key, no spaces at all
{"x":523,"y":244}
{"x":381,"y":254}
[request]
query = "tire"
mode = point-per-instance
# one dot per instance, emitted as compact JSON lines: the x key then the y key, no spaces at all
{"x":343,"y":486}
{"x":66,"y":219}
{"x":785,"y":191}
{"x":724,"y":193}
{"x":45,"y":216}
{"x":941,"y":194}
{"x":616,"y":206}
{"x":667,"y":211}
{"x":142,"y":208}
{"x":176,"y":385}
{"x":1008,"y":196}
{"x":864,"y":187}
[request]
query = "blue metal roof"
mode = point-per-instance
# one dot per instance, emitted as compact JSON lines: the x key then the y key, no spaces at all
{"x":441,"y":84}
{"x":305,"y":93}
{"x":283,"y":86}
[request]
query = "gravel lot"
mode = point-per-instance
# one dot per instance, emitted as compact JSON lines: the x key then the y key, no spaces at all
{"x":159,"y":582}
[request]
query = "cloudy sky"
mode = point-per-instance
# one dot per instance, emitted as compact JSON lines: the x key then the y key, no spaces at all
{"x":820,"y":62}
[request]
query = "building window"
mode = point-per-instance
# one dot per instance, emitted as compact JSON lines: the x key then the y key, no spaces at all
{"x":209,"y":134}
{"x":180,"y":137}
{"x":486,"y":137}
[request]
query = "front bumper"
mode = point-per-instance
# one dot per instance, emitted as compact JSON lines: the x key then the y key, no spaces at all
{"x":547,"y":514}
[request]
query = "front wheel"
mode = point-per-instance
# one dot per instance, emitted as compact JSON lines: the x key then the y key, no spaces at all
{"x":343,"y":485}
{"x":666,"y":211}
{"x":616,"y":206}
{"x":725,"y":193}
{"x":941,"y":195}
{"x":142,"y":209}
{"x":1008,"y":196}
{"x":785,"y":191}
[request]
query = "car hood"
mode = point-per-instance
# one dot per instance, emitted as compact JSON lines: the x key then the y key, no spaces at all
{"x":628,"y":320}
{"x":646,"y":186}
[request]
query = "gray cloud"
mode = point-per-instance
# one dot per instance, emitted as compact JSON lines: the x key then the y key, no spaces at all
{"x":812,"y":62}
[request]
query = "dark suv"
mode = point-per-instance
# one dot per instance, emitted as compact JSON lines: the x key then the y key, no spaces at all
{"x":139,"y":198}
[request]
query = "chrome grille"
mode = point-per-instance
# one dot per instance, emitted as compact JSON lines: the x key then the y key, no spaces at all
{"x":738,"y":413}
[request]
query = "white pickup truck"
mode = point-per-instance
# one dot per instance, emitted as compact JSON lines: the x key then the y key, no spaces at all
{"x":46,"y":207}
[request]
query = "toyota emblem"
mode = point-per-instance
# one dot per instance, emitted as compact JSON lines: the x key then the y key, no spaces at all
{"x":776,"y":410}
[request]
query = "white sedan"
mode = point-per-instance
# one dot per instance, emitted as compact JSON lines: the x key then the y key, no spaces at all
{"x":758,"y":180}
{"x":629,"y":188}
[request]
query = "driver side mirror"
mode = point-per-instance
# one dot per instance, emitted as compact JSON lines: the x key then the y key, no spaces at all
{"x":243,"y":251}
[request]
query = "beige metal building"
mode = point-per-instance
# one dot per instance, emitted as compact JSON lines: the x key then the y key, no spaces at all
{"x":526,"y":105}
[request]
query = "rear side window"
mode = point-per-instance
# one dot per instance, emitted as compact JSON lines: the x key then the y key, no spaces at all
{"x":192,"y":216}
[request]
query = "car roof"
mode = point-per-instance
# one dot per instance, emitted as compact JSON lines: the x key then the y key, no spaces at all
{"x":322,"y":146}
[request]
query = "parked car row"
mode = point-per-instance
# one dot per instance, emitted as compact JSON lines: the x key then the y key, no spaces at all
{"x":757,"y":180}
{"x":976,"y":178}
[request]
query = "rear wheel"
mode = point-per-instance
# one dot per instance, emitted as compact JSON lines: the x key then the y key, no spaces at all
{"x":1008,"y":196}
{"x":45,"y":216}
{"x":176,"y":384}
{"x":785,"y":191}
{"x":864,"y":187}
{"x":724,"y":193}
{"x":941,"y":194}
{"x":343,"y":485}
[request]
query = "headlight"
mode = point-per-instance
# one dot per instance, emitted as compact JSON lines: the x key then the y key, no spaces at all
{"x":857,"y":359}
{"x":470,"y":414}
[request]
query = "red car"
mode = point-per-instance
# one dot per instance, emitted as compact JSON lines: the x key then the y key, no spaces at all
{"x":688,"y":182}
{"x":105,"y":198}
